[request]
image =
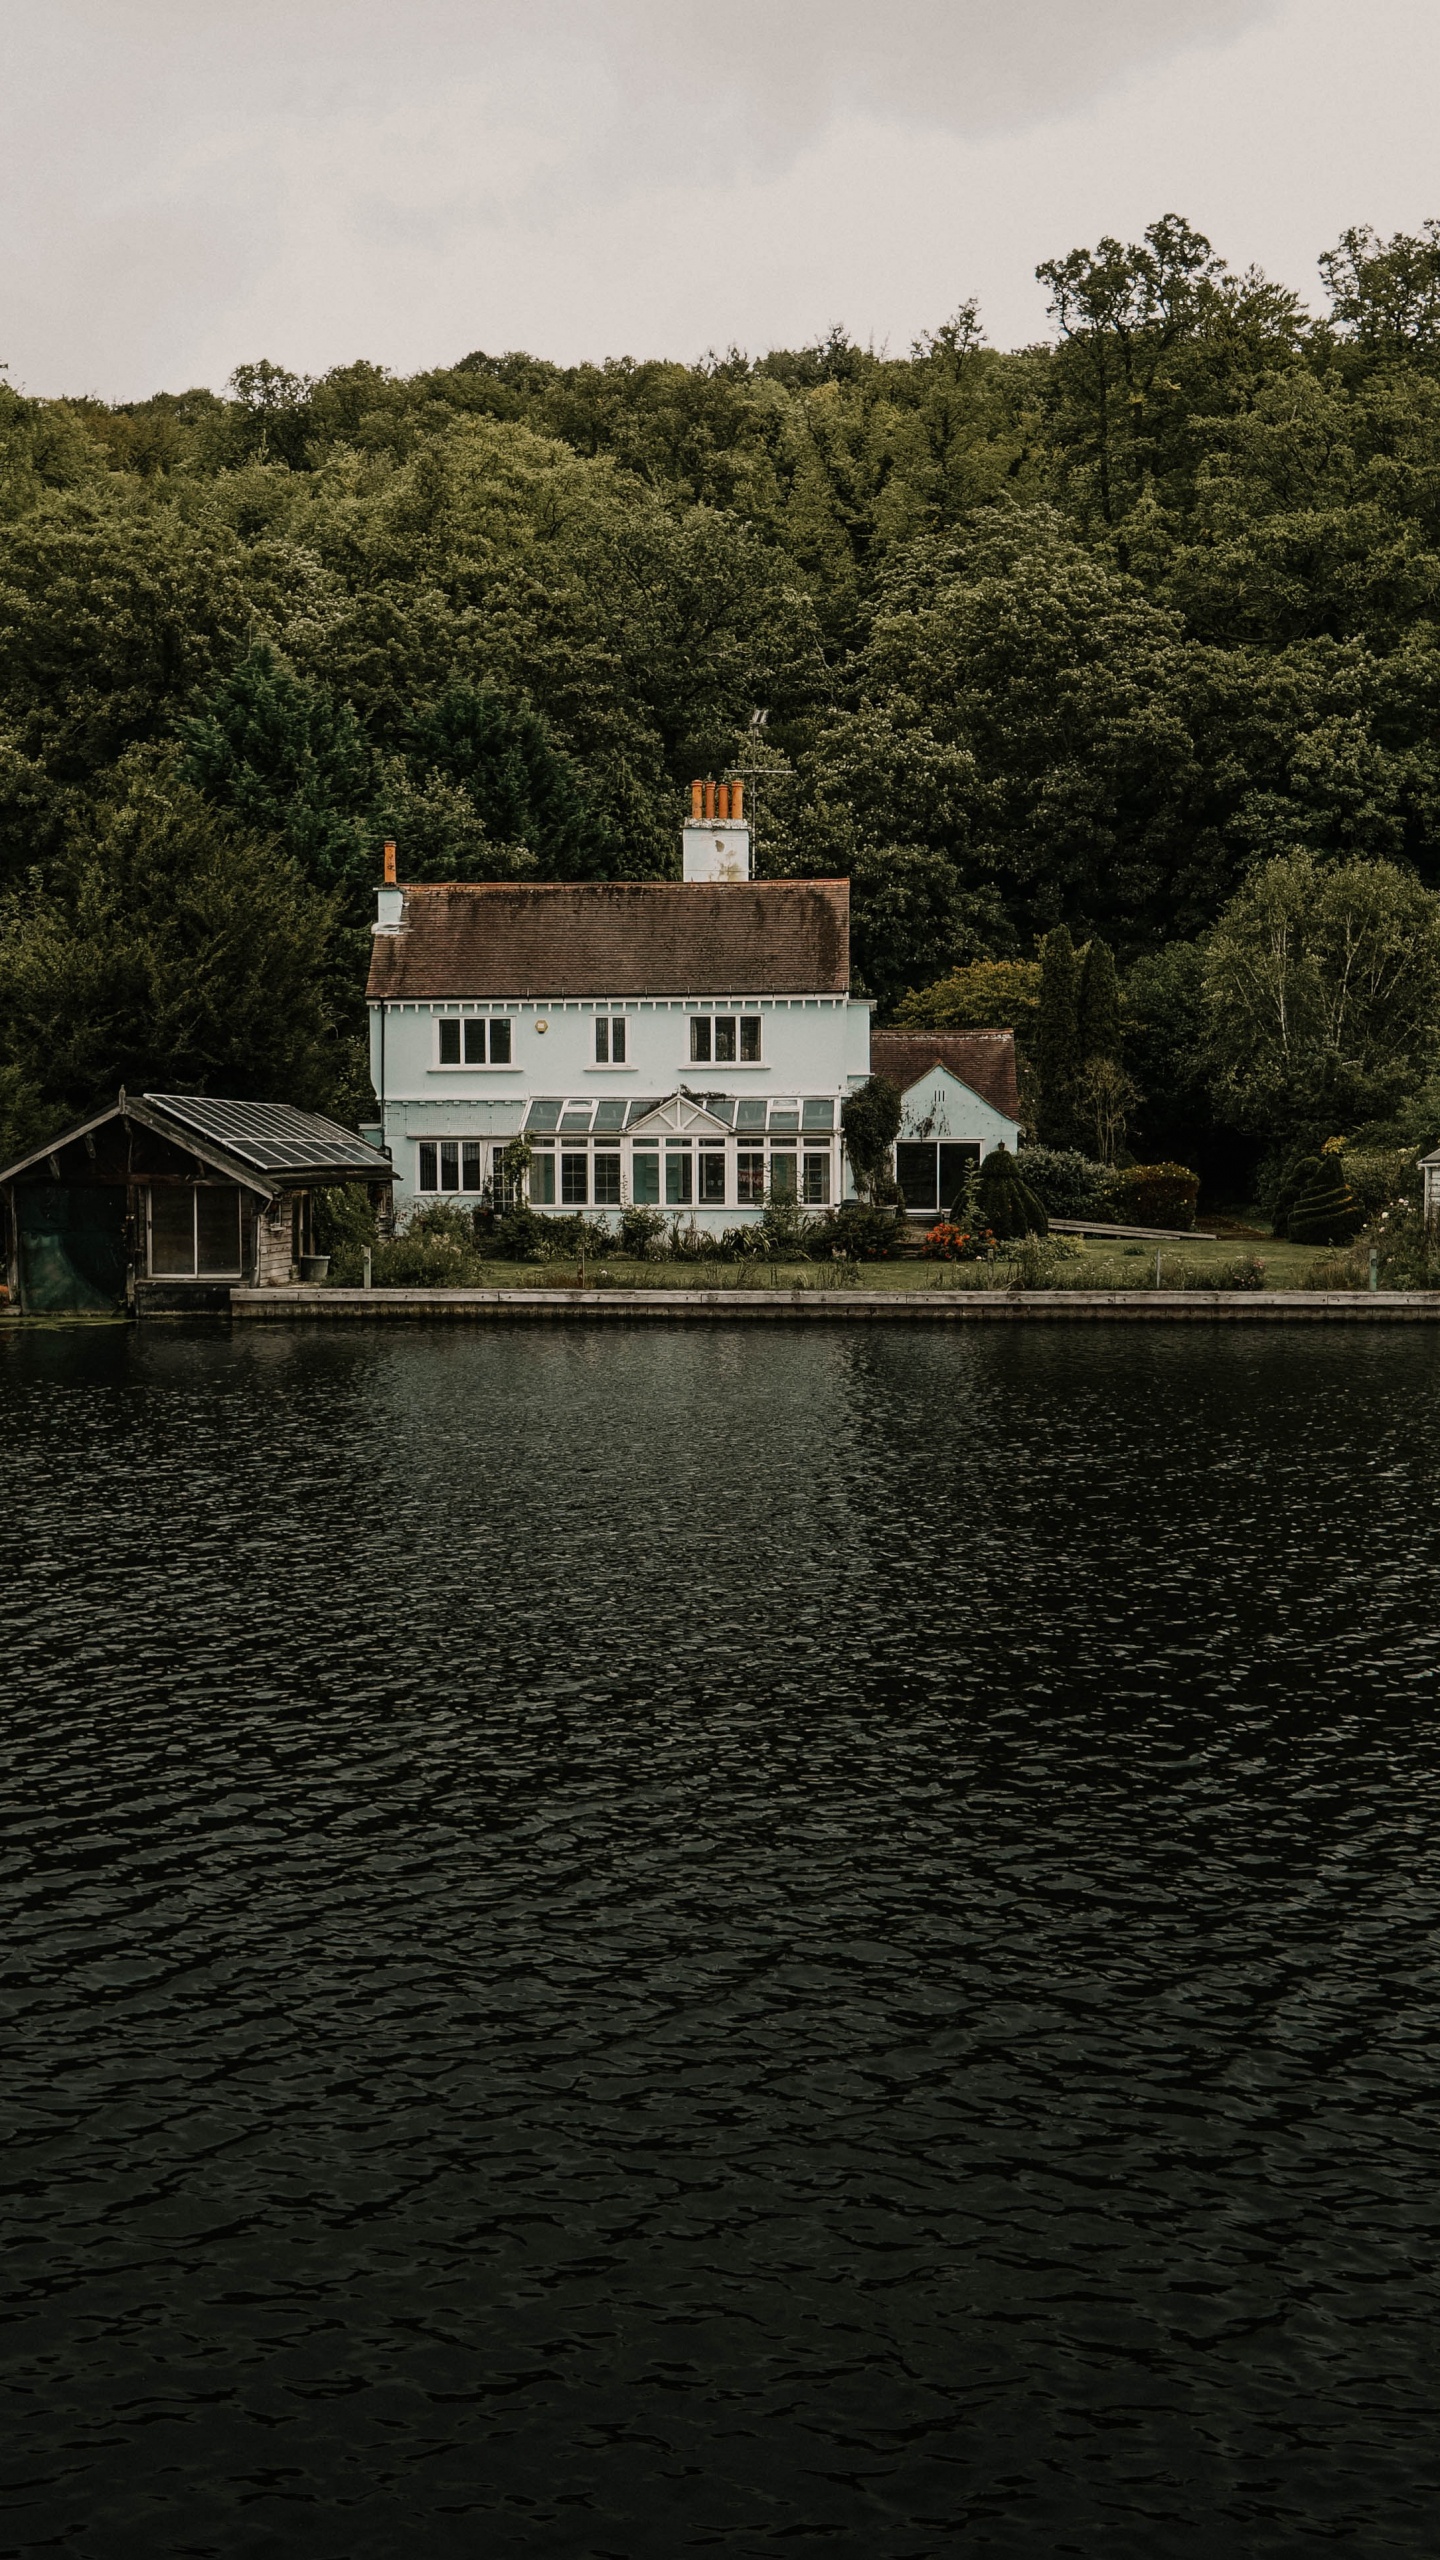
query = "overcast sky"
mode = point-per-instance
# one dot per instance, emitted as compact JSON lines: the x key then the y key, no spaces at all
{"x":191,"y":183}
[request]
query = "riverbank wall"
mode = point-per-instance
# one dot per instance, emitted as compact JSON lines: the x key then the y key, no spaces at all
{"x":832,"y":1304}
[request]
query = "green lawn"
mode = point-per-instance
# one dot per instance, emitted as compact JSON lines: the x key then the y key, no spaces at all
{"x":1095,"y":1265}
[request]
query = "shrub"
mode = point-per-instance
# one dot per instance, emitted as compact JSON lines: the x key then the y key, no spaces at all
{"x":1326,"y":1211}
{"x":740,"y":1244}
{"x":1065,"y":1183}
{"x":947,"y":1242}
{"x":642,"y":1232}
{"x":1380,"y":1178}
{"x":856,"y":1231}
{"x":1003,"y":1200}
{"x":786,"y":1231}
{"x":434,"y":1249}
{"x":1247,"y":1271}
{"x":1155,"y":1195}
{"x":870,"y":1121}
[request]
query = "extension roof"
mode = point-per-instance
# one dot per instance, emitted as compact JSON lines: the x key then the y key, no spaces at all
{"x":494,"y":938}
{"x":985,"y":1060}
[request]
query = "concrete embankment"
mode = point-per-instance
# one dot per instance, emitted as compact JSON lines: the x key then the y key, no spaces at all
{"x":842,"y":1305}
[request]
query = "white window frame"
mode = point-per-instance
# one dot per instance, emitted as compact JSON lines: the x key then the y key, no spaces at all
{"x":610,"y":1027}
{"x":464,"y":1024}
{"x":744,"y":1023}
{"x":469,"y":1157}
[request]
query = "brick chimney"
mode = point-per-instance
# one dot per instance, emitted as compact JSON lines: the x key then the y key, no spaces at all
{"x":390,"y":902}
{"x":715,"y":843}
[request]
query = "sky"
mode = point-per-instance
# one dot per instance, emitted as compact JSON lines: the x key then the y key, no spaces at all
{"x":191,"y":184}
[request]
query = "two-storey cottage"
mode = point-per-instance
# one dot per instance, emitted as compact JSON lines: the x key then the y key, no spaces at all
{"x":684,"y":1044}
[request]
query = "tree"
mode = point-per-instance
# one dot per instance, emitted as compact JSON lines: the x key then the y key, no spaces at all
{"x":870,"y":1120}
{"x":985,"y":994}
{"x":1098,"y":1010}
{"x":290,"y":761}
{"x":1385,"y":294}
{"x":1322,"y":981}
{"x":1058,"y":1056}
{"x":171,"y":951}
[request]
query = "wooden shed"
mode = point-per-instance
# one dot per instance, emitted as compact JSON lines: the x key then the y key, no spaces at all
{"x":169,"y":1202}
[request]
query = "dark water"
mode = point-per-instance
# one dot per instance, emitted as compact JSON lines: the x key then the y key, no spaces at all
{"x":638,"y":1944}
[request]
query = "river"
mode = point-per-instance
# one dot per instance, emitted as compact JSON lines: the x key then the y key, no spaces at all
{"x":721,"y":1941}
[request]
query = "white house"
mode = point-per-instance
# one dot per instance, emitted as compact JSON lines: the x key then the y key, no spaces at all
{"x":680,"y":1043}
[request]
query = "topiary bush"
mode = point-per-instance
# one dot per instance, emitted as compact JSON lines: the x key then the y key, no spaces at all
{"x":1155,"y":1195}
{"x":1326,"y":1211}
{"x":1001,"y":1199}
{"x":1066,"y":1183}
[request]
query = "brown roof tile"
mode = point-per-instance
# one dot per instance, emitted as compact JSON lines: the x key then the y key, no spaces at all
{"x":985,"y":1060}
{"x":616,"y":938}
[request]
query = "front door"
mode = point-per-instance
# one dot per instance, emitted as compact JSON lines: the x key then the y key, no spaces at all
{"x":73,"y":1253}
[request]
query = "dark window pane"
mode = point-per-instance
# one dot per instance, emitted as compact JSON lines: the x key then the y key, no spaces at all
{"x":574,"y":1180}
{"x":784,"y":1116}
{"x":617,"y":1044}
{"x":712,"y":1175}
{"x":449,"y":1164}
{"x":700,"y":1038}
{"x":955,"y":1163}
{"x":542,"y":1180}
{"x":749,"y":1115}
{"x":217,"y":1229}
{"x":576,"y":1121}
{"x":499,"y":1044}
{"x":817,"y":1181}
{"x":915,"y":1173}
{"x":646,"y":1180}
{"x":449,"y":1044}
{"x":609,"y":1116}
{"x":750,"y":1175}
{"x":818,"y":1115}
{"x":544,"y":1112}
{"x":724,"y":1039}
{"x":172,"y":1231}
{"x":427,"y":1166}
{"x":470,"y":1165}
{"x":679,"y":1180}
{"x":607,"y":1182}
{"x":474,"y":1042}
{"x":783,"y":1177}
{"x":749,"y":1038}
{"x":602,"y":1043}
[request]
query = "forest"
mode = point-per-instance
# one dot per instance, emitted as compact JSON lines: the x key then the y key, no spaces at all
{"x":1134,"y":633}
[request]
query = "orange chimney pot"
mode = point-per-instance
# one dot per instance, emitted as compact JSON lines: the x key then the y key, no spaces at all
{"x":697,"y":794}
{"x":709,"y":799}
{"x":737,"y":800}
{"x":389,"y":862}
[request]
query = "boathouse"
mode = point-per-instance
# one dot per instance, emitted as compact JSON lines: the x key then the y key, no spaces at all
{"x":684,"y":1044}
{"x":169,"y":1201}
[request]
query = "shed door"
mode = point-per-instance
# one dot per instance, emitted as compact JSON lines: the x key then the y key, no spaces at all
{"x":72,"y":1245}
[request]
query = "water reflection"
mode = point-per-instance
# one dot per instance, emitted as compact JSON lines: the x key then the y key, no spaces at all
{"x":635,"y":1943}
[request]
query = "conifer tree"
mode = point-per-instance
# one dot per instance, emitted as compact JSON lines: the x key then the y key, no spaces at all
{"x":1005,"y":1200}
{"x":1327,"y":1211}
{"x":1100,"y":1034}
{"x":1058,"y":1055}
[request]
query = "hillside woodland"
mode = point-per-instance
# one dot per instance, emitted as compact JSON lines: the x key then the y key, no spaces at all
{"x":1133,"y":637}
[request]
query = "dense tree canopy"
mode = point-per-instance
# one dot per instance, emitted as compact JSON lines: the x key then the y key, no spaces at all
{"x":1090,"y":635}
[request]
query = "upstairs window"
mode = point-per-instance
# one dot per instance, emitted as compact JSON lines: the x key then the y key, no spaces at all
{"x":610,"y":1040}
{"x":718,"y":1039}
{"x":475,"y":1042}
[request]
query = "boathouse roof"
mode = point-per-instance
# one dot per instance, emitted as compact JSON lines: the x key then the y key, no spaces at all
{"x":262,"y":1143}
{"x":495,"y":938}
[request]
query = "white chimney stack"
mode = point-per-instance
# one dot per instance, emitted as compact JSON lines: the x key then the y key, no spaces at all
{"x":716,"y":839}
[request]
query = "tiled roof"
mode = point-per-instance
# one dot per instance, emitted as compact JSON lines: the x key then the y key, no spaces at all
{"x":616,"y":938}
{"x":985,"y":1060}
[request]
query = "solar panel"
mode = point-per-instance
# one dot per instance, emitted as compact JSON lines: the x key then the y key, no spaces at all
{"x":272,"y":1136}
